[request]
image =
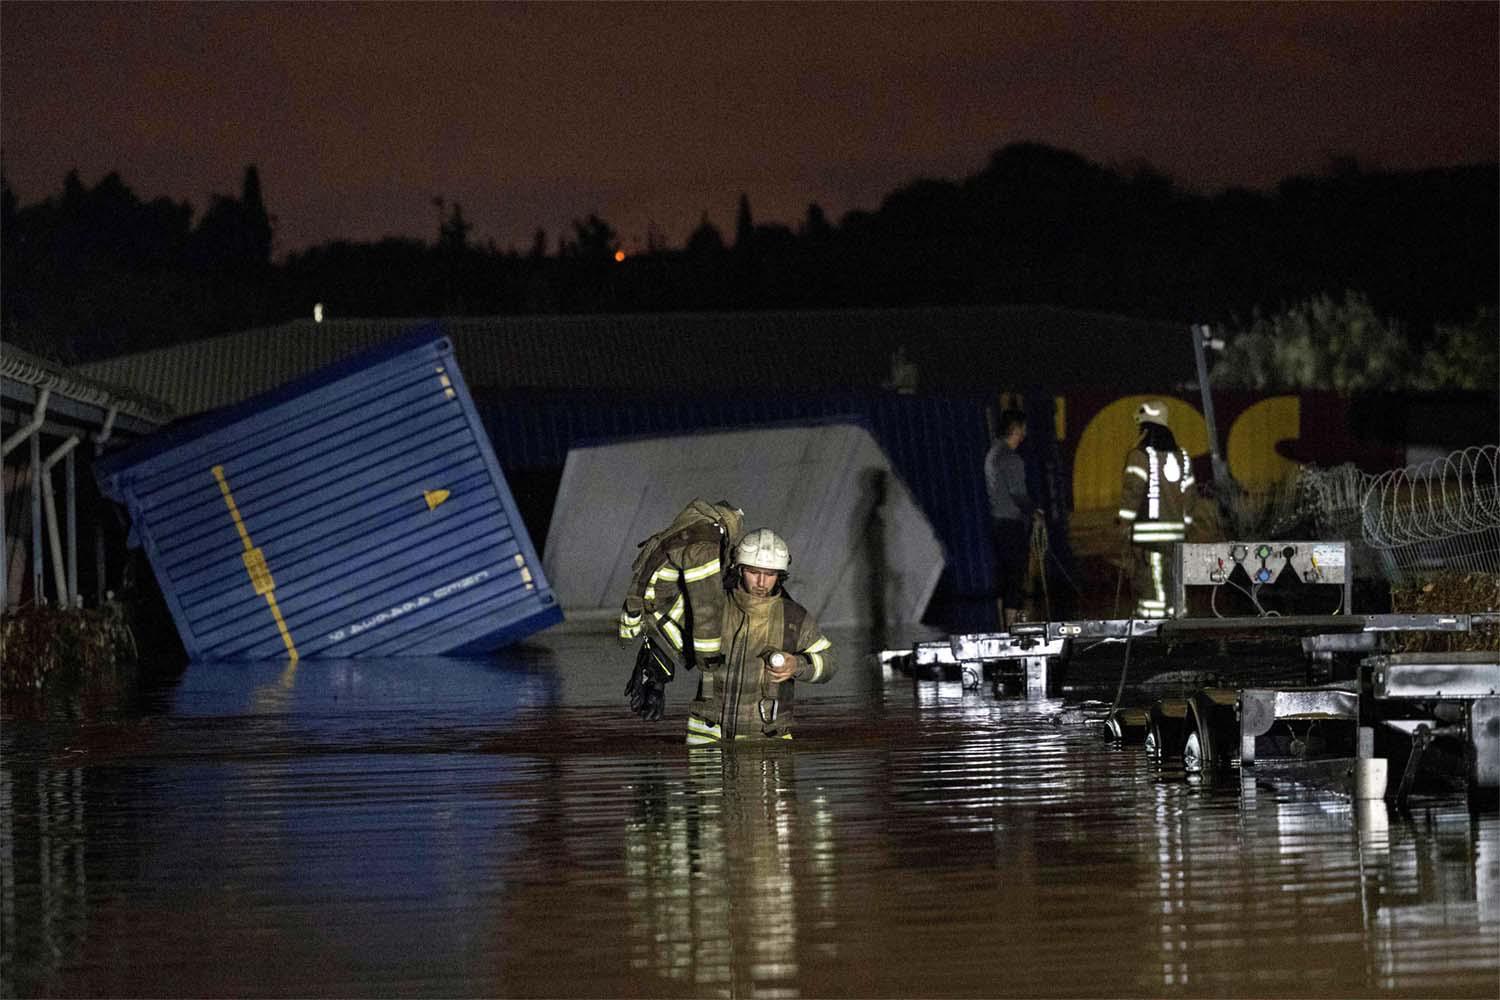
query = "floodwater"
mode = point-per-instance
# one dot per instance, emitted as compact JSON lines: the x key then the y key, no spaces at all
{"x":504,"y":827}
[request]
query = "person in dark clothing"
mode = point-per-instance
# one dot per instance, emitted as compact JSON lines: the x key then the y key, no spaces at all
{"x":1011,"y":513}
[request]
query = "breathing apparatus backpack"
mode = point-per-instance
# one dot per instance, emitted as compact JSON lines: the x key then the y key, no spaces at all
{"x":700,"y":522}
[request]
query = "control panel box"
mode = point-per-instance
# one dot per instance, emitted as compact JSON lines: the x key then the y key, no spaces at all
{"x":1249,"y":565}
{"x":1205,"y":564}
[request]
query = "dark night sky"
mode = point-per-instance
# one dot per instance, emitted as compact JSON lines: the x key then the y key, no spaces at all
{"x":532,"y":115}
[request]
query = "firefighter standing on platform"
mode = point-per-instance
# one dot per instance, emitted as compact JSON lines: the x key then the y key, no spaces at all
{"x":770,"y":643}
{"x":1154,"y":504}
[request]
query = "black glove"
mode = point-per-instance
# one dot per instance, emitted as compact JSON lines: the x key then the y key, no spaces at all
{"x":647,"y":689}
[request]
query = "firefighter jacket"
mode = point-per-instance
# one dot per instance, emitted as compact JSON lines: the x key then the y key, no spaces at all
{"x":676,"y":592}
{"x":737,"y":699}
{"x":1155,"y":493}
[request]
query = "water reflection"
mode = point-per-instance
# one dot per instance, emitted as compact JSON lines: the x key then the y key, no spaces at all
{"x":505,"y":827}
{"x":720,"y":853}
{"x":43,"y":878}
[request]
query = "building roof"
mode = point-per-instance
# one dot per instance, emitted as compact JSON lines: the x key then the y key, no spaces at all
{"x":947,"y":349}
{"x":75,"y":399}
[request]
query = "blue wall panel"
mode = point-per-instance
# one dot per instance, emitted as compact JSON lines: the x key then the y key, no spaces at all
{"x":359,"y":511}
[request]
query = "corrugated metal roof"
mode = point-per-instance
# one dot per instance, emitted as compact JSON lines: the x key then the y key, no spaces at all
{"x":22,"y":374}
{"x":957,"y":348}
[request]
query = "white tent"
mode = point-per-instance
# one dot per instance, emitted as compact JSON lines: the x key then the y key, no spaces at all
{"x":861,"y":547}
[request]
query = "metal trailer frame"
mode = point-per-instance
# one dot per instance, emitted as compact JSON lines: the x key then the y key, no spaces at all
{"x":1221,"y":727}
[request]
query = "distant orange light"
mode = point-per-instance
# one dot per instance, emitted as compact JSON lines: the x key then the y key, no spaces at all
{"x":619,"y":256}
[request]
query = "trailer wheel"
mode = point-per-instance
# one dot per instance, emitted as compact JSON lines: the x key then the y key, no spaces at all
{"x":1193,"y":759}
{"x":1198,"y":750}
{"x":1164,"y":736}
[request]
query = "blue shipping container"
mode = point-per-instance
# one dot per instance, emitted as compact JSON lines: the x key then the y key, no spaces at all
{"x":358,"y":511}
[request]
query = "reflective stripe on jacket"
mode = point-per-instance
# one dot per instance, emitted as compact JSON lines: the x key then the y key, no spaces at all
{"x":1154,"y":495}
{"x":737,"y":699}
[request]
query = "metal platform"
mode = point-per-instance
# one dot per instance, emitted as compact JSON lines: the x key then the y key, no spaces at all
{"x":1260,"y":720}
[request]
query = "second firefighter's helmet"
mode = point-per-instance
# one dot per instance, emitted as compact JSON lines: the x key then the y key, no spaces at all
{"x":763,"y":549}
{"x":1152,"y":411}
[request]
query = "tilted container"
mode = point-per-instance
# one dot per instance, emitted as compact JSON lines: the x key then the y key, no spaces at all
{"x":357,"y":511}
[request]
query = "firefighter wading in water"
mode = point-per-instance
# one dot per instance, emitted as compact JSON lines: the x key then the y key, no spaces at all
{"x":770,"y":643}
{"x":1154,"y":508}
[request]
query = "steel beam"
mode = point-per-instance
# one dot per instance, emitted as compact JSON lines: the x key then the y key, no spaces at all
{"x":1435,"y":675}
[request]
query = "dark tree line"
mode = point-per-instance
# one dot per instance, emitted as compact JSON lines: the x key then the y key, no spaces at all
{"x":95,"y":271}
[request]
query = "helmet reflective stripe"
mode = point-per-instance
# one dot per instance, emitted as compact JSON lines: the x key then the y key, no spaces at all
{"x":763,"y":549}
{"x":696,"y":573}
{"x":1152,"y":411}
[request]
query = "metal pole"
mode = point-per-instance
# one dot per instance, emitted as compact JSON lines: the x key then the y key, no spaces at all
{"x":38,"y":415}
{"x":70,"y":476}
{"x":38,"y":596}
{"x":59,"y":573}
{"x":4,"y":541}
{"x":1202,"y":335}
{"x":26,"y":430}
{"x":101,"y":582}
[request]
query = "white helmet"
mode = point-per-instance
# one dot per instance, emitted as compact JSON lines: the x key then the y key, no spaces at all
{"x":763,"y":549}
{"x":1152,"y":411}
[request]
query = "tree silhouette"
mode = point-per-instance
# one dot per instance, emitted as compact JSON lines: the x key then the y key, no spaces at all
{"x":94,"y":271}
{"x":744,"y":226}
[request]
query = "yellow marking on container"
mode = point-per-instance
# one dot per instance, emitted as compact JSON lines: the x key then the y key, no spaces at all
{"x":255,"y":564}
{"x":234,"y":510}
{"x":260,"y":573}
{"x":435,"y":497}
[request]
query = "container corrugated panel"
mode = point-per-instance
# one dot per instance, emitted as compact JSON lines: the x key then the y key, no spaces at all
{"x":357,"y":511}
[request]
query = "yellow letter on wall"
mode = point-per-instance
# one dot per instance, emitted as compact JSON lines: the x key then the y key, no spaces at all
{"x":1253,"y":461}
